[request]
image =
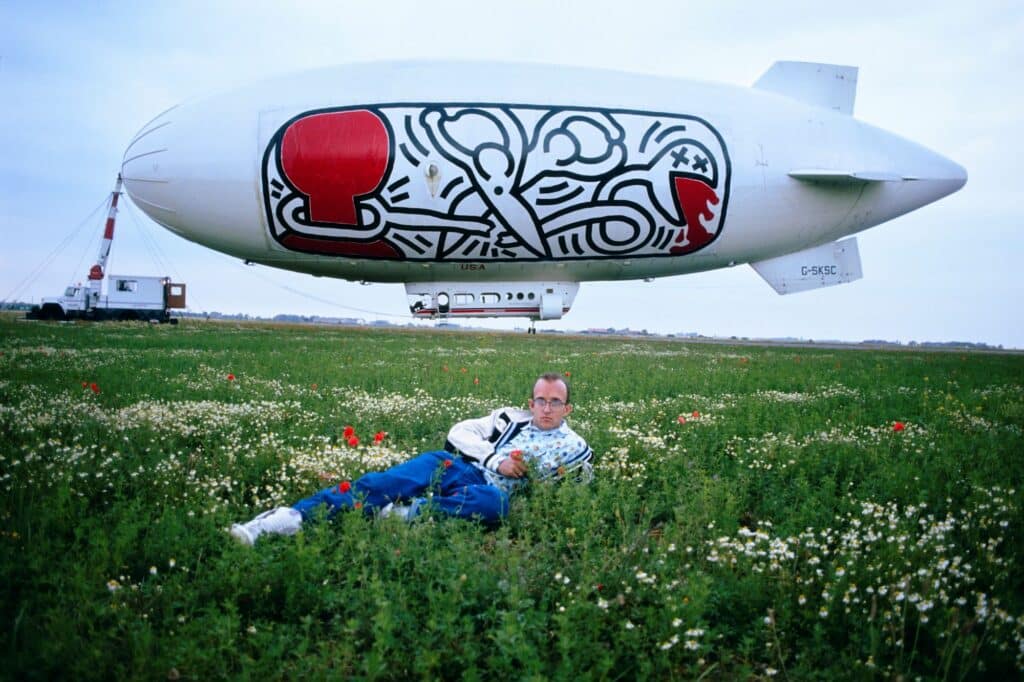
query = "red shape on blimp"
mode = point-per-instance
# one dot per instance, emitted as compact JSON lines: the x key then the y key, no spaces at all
{"x":694,"y":198}
{"x":333,"y":158}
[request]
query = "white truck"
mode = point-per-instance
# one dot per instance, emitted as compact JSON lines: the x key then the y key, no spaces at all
{"x":128,"y":297}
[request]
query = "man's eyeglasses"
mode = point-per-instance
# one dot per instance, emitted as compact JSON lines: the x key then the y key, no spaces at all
{"x":555,"y":404}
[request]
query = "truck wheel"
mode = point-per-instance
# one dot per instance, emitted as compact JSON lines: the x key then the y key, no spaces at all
{"x":52,"y":311}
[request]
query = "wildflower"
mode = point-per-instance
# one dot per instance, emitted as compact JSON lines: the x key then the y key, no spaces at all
{"x":681,"y":419}
{"x":379,"y":436}
{"x":348,"y":432}
{"x":357,"y":505}
{"x":476,"y":380}
{"x":898,"y":426}
{"x":353,"y":441}
{"x":567,"y":373}
{"x":113,"y":585}
{"x":676,"y":622}
{"x":344,"y":487}
{"x":94,"y":388}
{"x":447,"y":463}
{"x":152,"y":570}
{"x":313,"y":386}
{"x":516,"y":455}
{"x":171,"y":562}
{"x":696,"y":414}
{"x":629,"y":625}
{"x":231,"y":377}
{"x":251,"y":629}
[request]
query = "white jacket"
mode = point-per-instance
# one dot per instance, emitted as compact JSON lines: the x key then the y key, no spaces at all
{"x":489,"y":440}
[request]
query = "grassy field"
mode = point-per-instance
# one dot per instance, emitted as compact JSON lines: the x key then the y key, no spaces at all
{"x":757,"y":512}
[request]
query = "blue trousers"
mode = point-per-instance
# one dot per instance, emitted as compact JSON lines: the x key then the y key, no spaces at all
{"x":459,"y":490}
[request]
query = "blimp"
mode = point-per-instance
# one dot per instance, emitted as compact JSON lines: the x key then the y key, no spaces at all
{"x":494,"y":190}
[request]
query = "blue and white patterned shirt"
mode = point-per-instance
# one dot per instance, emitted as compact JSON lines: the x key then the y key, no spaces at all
{"x":490,"y":440}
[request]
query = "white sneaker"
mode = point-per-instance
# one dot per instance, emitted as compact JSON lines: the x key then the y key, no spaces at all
{"x":399,"y":511}
{"x":280,"y":521}
{"x":406,"y":512}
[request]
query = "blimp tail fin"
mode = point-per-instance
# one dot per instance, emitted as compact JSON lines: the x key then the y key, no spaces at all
{"x":845,"y":176}
{"x":829,"y":86}
{"x":820,"y":266}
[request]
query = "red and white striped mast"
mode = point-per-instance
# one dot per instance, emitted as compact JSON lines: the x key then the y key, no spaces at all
{"x":98,"y":271}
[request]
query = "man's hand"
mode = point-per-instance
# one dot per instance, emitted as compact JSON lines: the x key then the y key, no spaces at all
{"x":513,"y":466}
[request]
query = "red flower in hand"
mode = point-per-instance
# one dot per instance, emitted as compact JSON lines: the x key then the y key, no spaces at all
{"x":344,"y":487}
{"x":517,"y":455}
{"x":898,"y":426}
{"x":447,"y":463}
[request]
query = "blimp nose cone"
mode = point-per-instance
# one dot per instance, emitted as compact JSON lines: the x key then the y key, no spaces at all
{"x":191,"y":170}
{"x":148,"y":171}
{"x":954,"y":176}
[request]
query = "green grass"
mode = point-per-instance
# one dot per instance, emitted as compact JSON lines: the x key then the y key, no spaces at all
{"x":782,"y":527}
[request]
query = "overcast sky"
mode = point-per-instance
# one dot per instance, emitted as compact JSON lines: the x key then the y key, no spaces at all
{"x":76,"y":83}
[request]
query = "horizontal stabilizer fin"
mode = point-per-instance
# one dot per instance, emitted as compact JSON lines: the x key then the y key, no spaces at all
{"x":822,"y":266}
{"x":829,"y":86}
{"x":845,"y":176}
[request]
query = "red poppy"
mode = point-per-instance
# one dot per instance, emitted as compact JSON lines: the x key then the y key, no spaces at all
{"x":681,"y":419}
{"x":516,"y":455}
{"x":444,"y":368}
{"x":476,"y":380}
{"x":696,"y":414}
{"x":348,"y":432}
{"x":344,"y":487}
{"x":379,"y":436}
{"x":353,"y":441}
{"x":231,"y":377}
{"x":94,"y":388}
{"x":313,"y":386}
{"x":357,"y":505}
{"x":898,"y":426}
{"x":447,"y":463}
{"x":568,"y":374}
{"x":463,"y":370}
{"x":85,"y":385}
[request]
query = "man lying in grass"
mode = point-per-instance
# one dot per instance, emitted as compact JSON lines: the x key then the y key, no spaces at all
{"x":484,"y":460}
